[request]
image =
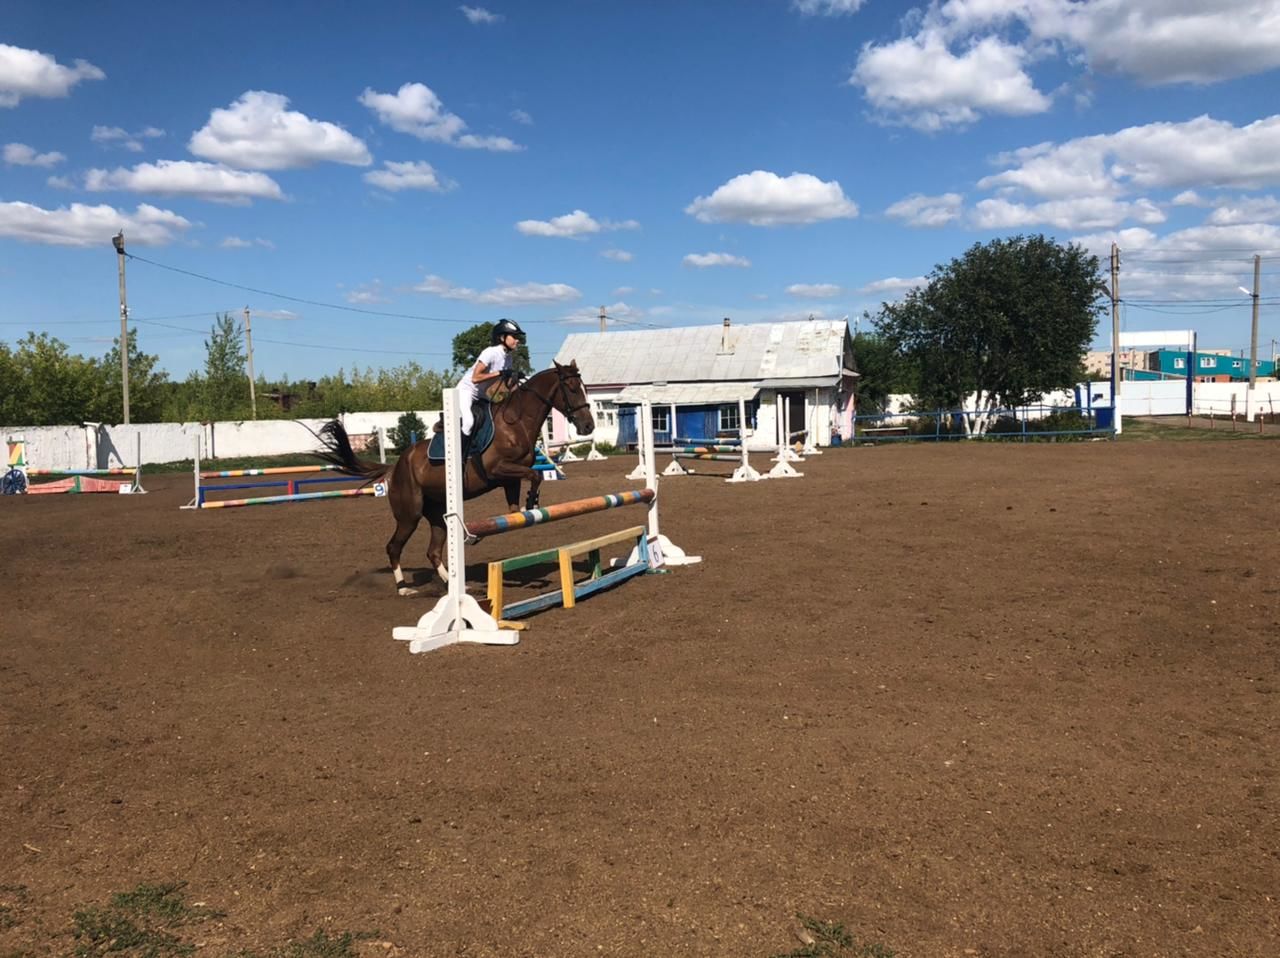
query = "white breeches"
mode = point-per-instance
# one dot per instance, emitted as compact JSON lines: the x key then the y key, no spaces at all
{"x":467,"y":400}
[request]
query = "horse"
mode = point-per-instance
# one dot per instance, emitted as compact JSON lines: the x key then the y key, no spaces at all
{"x":416,"y":488}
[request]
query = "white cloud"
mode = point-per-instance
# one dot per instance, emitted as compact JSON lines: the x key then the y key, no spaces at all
{"x":826,"y":8}
{"x":927,"y":211}
{"x":762,"y":198}
{"x":236,"y":242}
{"x":892,"y":284}
{"x":814,"y":290}
{"x":919,"y":82}
{"x":285,"y":315}
{"x":480,"y":15}
{"x":522,"y":117}
{"x":257,"y":132}
{"x":623,"y":291}
{"x":1202,"y":152}
{"x":572,"y":225}
{"x":116,"y":136}
{"x":504,"y":294}
{"x":416,"y":110}
{"x":1244,"y":209}
{"x":704,"y":260}
{"x":30,"y":73}
{"x":369,"y":294}
{"x":1080,"y":213}
{"x":413,"y":175}
{"x":1160,"y":42}
{"x":82,"y":225}
{"x":1189,"y":198}
{"x":61,"y":183}
{"x":618,"y":255}
{"x":206,"y":181}
{"x":1162,"y":271}
{"x":19,"y":154}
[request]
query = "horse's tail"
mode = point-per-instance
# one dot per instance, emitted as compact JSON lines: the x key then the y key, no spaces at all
{"x":336,"y":451}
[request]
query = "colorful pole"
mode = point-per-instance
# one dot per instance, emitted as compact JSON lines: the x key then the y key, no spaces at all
{"x":562,"y":510}
{"x":299,"y":497}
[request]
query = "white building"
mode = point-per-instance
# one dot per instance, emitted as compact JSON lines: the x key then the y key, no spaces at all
{"x":694,"y":376}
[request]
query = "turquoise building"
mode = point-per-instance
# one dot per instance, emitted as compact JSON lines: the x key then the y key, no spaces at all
{"x":1173,"y":362}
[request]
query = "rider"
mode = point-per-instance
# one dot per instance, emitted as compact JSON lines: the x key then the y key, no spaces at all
{"x":494,"y":362}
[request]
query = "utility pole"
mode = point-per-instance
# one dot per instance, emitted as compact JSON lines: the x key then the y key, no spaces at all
{"x":602,"y":319}
{"x":118,"y":242}
{"x":1253,"y":337}
{"x":1115,"y":337}
{"x":248,"y":338}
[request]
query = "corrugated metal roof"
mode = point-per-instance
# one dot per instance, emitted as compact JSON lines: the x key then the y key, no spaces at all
{"x":695,"y":353}
{"x":813,"y":382}
{"x":688,"y":394}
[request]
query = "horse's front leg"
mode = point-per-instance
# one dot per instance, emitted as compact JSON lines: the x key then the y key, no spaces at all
{"x":511,"y":474}
{"x":535,"y":486}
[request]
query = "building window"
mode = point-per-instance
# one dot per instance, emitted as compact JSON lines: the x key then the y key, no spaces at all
{"x":662,"y":419}
{"x":1237,"y":364}
{"x":729,"y":421}
{"x":606,"y":412}
{"x":1208,"y":362}
{"x":1179,"y":363}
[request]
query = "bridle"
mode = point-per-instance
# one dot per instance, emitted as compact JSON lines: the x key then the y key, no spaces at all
{"x":548,"y":402}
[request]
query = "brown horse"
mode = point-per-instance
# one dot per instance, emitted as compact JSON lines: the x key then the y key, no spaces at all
{"x":416,"y":485}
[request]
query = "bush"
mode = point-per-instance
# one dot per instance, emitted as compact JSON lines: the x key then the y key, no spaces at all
{"x":408,"y":427}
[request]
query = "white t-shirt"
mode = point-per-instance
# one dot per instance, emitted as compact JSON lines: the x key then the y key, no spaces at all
{"x":495,"y":359}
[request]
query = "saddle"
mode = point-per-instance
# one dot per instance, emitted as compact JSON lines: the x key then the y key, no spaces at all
{"x":481,"y":433}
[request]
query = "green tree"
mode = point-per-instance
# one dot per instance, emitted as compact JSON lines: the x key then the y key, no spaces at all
{"x":409,"y":428}
{"x":469,"y":343}
{"x":148,"y":386}
{"x":1008,"y":321}
{"x":45,"y":384}
{"x":882,"y":370}
{"x":225,"y":387}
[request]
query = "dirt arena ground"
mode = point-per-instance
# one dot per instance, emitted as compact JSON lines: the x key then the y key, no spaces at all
{"x":967,"y":700}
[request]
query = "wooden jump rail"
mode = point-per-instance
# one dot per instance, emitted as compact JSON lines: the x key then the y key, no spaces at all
{"x":457,"y":617}
{"x":563,"y":556}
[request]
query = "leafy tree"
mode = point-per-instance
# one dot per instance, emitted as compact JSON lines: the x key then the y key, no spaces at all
{"x":408,"y":428}
{"x":225,"y":389}
{"x":1007,"y":321}
{"x":468,"y":344}
{"x":882,"y":370}
{"x":45,"y":384}
{"x":148,"y":386}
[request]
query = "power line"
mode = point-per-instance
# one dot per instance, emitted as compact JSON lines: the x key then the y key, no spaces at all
{"x":283,"y":342}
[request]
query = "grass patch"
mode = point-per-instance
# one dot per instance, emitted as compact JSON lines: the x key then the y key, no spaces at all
{"x":1176,"y":429}
{"x":829,"y":939}
{"x":319,"y":945}
{"x":142,"y":922}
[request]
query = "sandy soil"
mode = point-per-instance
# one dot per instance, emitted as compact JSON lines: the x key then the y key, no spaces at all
{"x":968,"y":700}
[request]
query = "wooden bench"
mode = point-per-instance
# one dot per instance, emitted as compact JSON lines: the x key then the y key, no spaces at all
{"x":884,"y":431}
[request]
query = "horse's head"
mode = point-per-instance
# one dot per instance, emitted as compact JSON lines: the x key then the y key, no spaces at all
{"x":570,"y":397}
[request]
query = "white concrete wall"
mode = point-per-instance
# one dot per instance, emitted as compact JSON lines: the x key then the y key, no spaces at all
{"x":104,"y":446}
{"x":1221,"y":399}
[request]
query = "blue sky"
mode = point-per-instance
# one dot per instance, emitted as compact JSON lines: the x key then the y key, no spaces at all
{"x":674,"y":162}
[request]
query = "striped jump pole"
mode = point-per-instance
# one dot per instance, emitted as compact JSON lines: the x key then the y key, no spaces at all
{"x":457,"y":616}
{"x":17,"y":448}
{"x":496,"y":525}
{"x":733,"y":451}
{"x":291,"y":485}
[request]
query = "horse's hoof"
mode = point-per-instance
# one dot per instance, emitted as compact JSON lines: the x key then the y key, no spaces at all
{"x":406,"y":590}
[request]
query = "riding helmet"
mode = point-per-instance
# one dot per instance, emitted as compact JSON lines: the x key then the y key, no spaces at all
{"x":504,"y":327}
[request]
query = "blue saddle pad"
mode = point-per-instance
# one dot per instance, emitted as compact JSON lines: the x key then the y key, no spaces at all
{"x":481,"y":434}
